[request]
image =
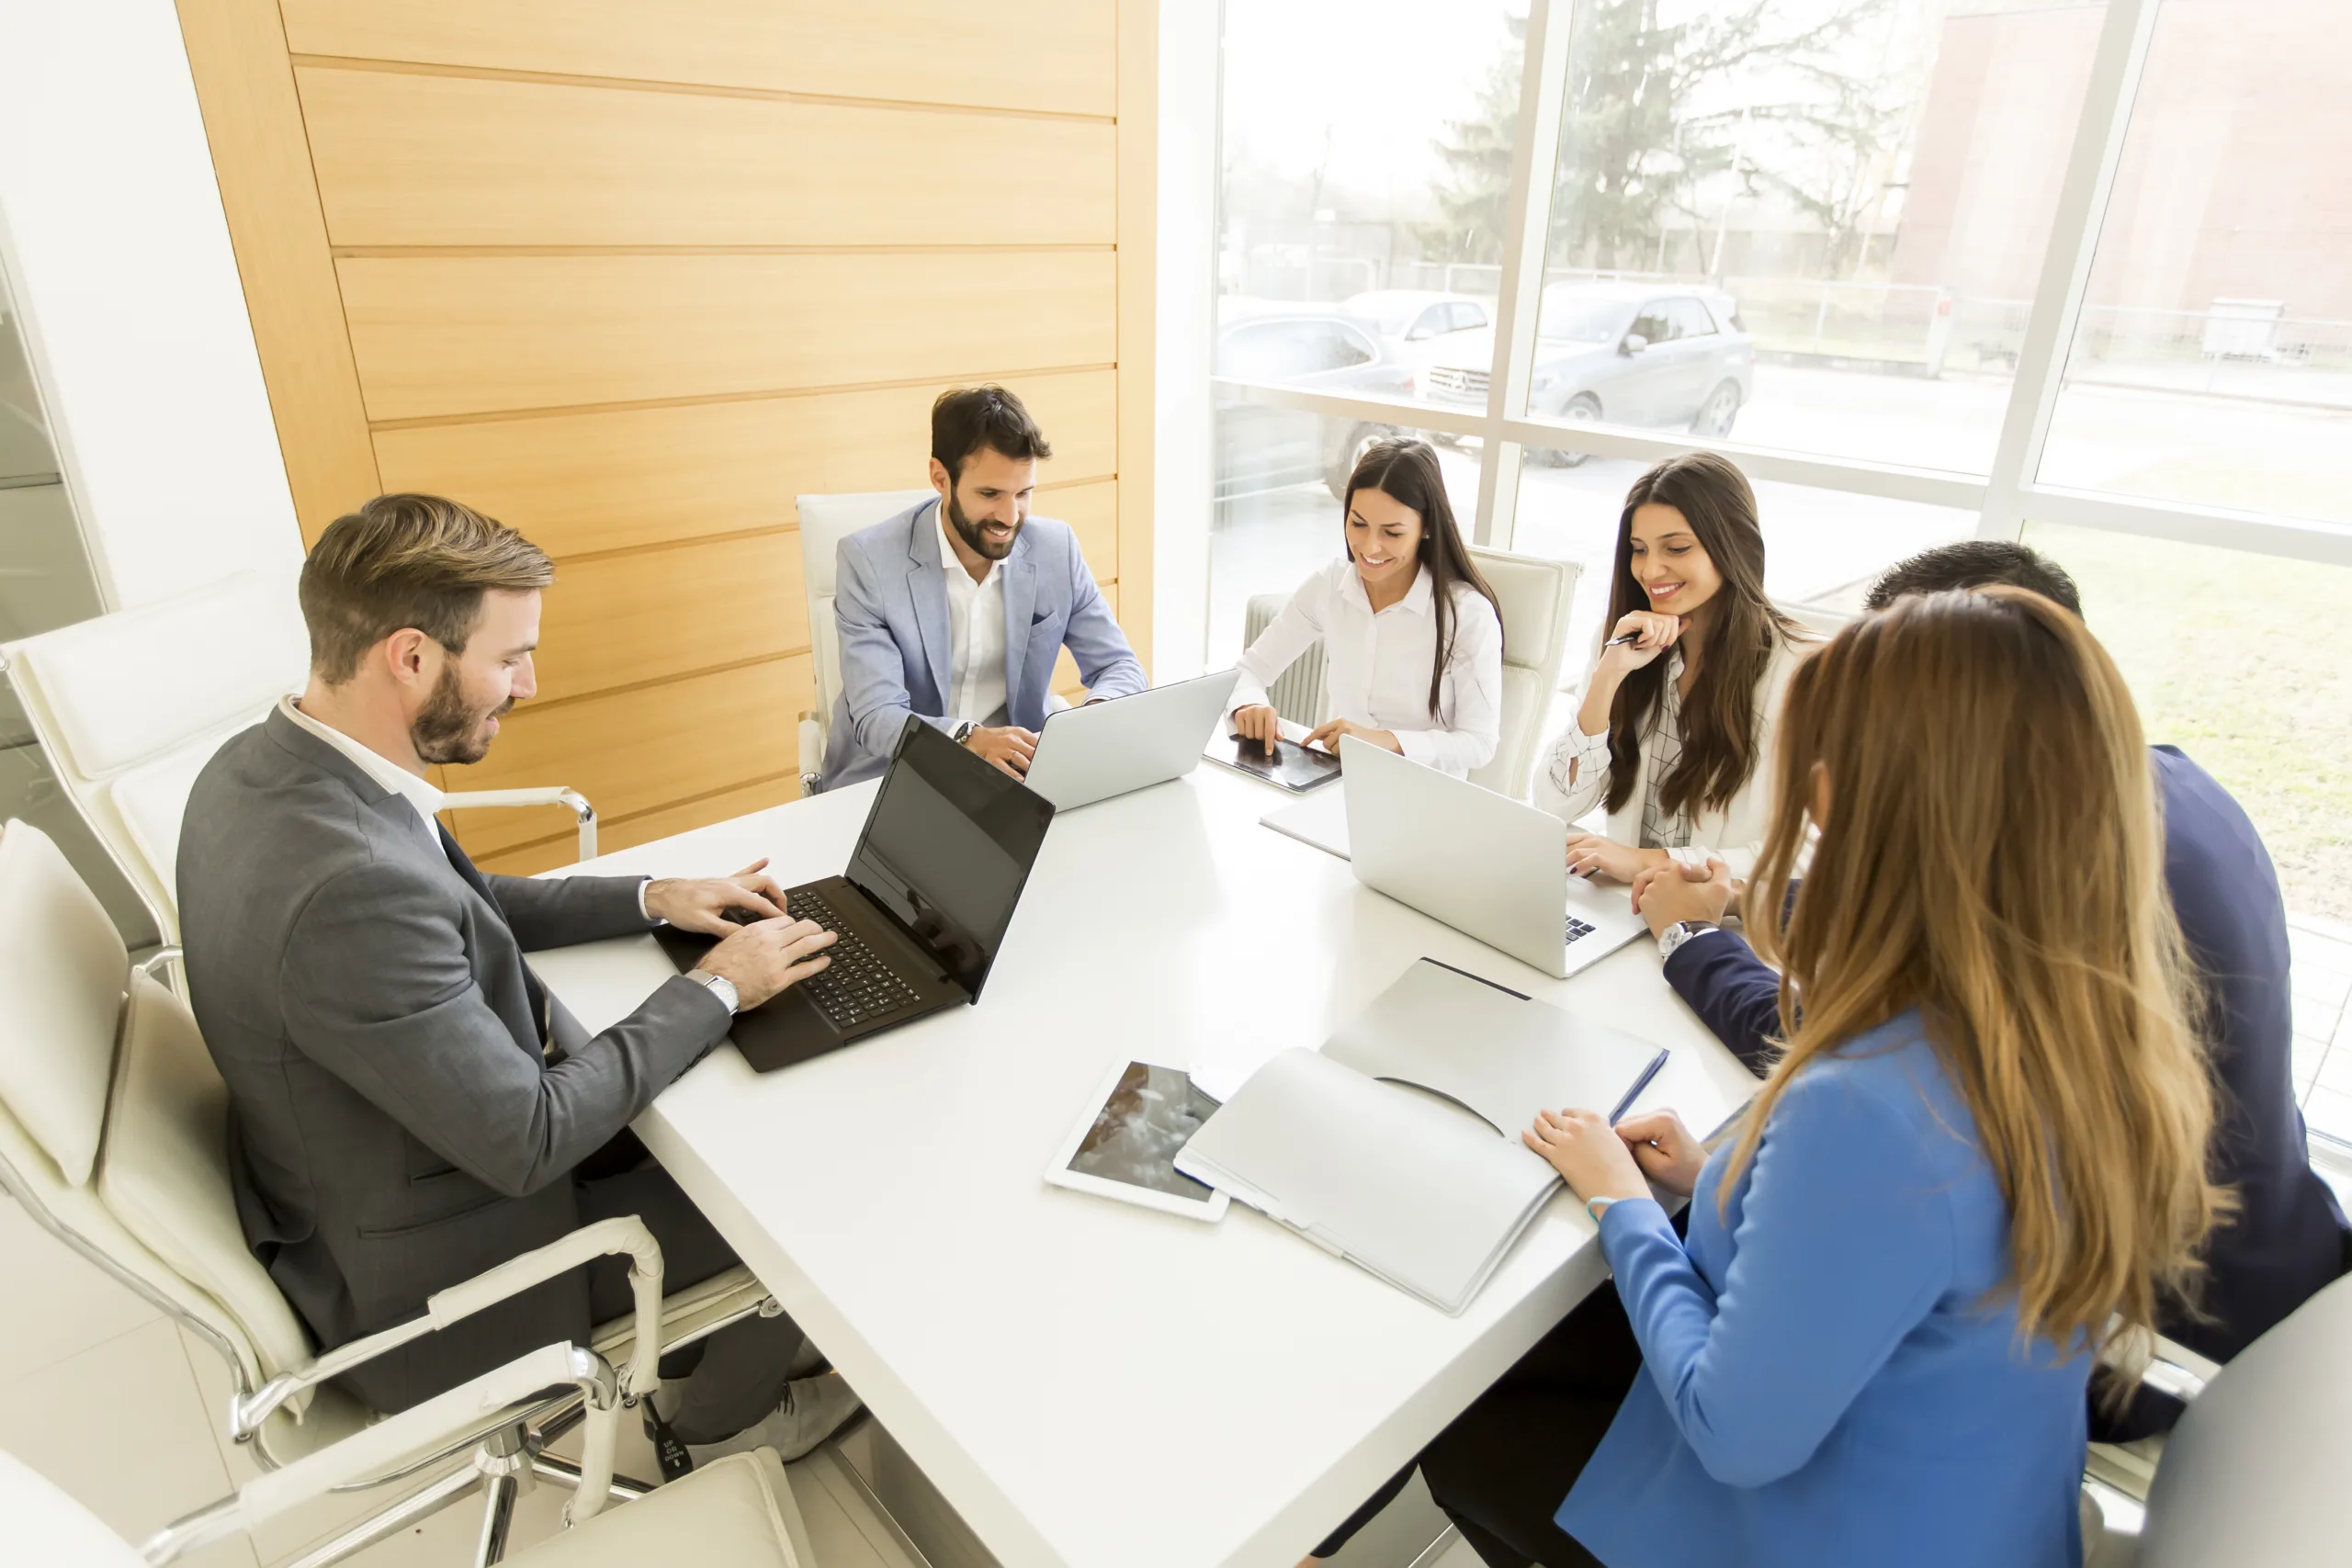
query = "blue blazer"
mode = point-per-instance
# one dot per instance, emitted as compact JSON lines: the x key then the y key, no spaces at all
{"x":2288,"y":1237}
{"x":1826,"y":1380}
{"x":890,"y":609}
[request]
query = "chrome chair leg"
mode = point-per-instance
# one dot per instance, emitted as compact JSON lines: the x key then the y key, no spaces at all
{"x":624,"y":1489}
{"x":422,"y":1504}
{"x":497,"y":1519}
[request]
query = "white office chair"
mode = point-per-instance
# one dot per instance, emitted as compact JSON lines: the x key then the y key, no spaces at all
{"x":736,"y":1512}
{"x":114,"y":1137}
{"x":129,"y":706}
{"x":1537,"y":595}
{"x":1298,"y":694}
{"x":825,"y":520}
{"x":2255,"y":1473}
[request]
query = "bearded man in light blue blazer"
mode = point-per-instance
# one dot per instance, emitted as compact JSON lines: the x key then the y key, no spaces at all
{"x":955,"y":610}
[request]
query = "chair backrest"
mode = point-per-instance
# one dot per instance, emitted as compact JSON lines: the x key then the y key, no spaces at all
{"x":1299,"y":693}
{"x":131,"y":706}
{"x":825,"y":520}
{"x":45,"y":1526}
{"x":1537,"y":596}
{"x":2255,"y":1471}
{"x":114,"y":1125}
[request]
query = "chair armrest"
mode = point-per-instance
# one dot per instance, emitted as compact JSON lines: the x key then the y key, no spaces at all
{"x":812,"y":753}
{"x":458,"y":1419}
{"x":625,"y":1232}
{"x":554,"y":794}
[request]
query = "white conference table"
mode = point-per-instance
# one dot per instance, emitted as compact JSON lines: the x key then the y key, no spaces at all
{"x":1091,"y":1384}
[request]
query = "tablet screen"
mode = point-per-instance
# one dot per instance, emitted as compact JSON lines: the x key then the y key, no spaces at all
{"x":1151,"y":1113}
{"x":1293,"y":766}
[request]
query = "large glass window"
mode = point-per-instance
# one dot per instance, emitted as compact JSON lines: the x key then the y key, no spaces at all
{"x":2213,"y":362}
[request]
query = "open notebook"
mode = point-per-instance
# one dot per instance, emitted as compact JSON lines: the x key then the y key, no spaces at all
{"x":1397,"y":1146}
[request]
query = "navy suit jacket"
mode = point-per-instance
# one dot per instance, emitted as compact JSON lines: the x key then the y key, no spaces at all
{"x":2288,"y":1237}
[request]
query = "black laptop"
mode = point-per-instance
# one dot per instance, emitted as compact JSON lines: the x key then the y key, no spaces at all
{"x":919,"y":915}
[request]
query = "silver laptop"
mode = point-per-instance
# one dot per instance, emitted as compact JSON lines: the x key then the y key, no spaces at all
{"x":1484,"y":864}
{"x":1093,"y":753}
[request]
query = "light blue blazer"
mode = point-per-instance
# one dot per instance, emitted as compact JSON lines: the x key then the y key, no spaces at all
{"x":890,"y":609}
{"x":1827,"y":1382}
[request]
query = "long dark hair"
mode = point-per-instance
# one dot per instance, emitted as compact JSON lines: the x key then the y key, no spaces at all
{"x":1407,"y":473}
{"x":1743,"y":631}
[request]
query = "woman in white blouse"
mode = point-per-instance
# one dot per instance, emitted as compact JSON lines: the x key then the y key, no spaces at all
{"x":1411,"y":634}
{"x":1674,"y":735}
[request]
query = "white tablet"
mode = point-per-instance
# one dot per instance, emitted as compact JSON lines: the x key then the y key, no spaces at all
{"x":1125,"y":1146}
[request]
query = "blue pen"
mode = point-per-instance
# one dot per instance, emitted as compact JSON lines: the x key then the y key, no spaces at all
{"x":1658,"y":1063}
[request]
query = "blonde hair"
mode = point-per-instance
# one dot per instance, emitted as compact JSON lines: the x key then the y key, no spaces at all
{"x":406,"y":561}
{"x":1991,"y":855}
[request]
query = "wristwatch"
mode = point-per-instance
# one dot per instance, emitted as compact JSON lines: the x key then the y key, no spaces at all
{"x":1680,"y":932}
{"x":718,"y":985}
{"x":963,"y":731}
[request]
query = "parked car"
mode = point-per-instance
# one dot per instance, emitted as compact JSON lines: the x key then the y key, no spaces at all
{"x":1627,"y":353}
{"x":1416,"y":324}
{"x":1260,"y":447}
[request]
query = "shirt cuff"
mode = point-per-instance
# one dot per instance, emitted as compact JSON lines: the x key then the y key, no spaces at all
{"x":642,"y":913}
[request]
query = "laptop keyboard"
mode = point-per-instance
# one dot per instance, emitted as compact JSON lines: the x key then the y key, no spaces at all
{"x":856,"y":985}
{"x":1577,"y":928}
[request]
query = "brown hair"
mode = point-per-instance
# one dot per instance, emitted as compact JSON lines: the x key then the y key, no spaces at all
{"x":1406,"y":472}
{"x":965,"y":420}
{"x":1992,"y":857}
{"x":1719,"y":740}
{"x":408,"y":561}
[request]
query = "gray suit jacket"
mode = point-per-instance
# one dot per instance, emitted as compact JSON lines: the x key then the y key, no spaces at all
{"x":395,"y":1126}
{"x":890,"y":614}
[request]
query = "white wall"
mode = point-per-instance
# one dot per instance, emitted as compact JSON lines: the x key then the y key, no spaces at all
{"x":112,"y":233}
{"x":1185,"y":261}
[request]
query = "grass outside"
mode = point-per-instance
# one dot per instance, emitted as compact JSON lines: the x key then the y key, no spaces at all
{"x":2245,"y":663}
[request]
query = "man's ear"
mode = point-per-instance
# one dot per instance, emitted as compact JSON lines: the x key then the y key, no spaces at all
{"x":939,"y":480}
{"x":410,"y":656}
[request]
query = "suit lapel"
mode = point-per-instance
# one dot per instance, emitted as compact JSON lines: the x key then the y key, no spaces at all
{"x":927,"y":587}
{"x":1020,"y":603}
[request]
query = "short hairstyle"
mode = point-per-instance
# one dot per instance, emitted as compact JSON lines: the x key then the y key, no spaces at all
{"x":968,"y":419}
{"x":408,"y":560}
{"x":1976,"y":563}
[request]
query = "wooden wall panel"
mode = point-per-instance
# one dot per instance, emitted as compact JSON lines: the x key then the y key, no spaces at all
{"x":1040,"y":55}
{"x":1093,"y":512}
{"x":453,"y":336}
{"x":236,"y":50}
{"x":436,"y":160}
{"x":609,"y":479}
{"x":657,"y":615}
{"x":563,"y":849}
{"x":634,"y":752}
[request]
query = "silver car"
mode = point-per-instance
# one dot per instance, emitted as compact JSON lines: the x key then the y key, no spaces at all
{"x":1638,"y":354}
{"x":1261,"y":448}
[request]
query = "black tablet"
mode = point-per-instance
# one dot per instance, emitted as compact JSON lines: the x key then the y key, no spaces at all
{"x":1291,"y":766}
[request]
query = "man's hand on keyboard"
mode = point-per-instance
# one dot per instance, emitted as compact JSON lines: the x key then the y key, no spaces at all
{"x":700,"y":904}
{"x":763,"y":959}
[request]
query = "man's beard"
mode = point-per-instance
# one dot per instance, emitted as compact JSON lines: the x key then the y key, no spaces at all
{"x":446,"y":729}
{"x":979,"y":543}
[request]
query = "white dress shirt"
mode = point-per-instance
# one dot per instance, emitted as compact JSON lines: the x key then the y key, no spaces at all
{"x":1378,"y":670}
{"x":975,"y":631}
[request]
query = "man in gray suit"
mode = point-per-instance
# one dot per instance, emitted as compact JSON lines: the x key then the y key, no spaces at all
{"x":409,"y":1106}
{"x":955,"y":610}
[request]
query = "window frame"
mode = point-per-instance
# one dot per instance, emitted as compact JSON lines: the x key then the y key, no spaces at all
{"x":2003,"y":499}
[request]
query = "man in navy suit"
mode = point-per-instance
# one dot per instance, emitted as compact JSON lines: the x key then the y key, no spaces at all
{"x":955,"y":610}
{"x":2288,"y":1237}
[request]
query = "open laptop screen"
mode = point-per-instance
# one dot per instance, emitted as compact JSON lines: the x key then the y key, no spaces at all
{"x":946,"y":849}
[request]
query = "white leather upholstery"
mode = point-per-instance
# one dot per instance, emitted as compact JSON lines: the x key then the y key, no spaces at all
{"x":824,"y":520}
{"x":62,"y":966}
{"x":1299,"y":693}
{"x":131,"y":706}
{"x":165,"y":1174}
{"x":42,"y":1525}
{"x":1537,"y":596}
{"x":2255,"y":1471}
{"x":736,"y":1512}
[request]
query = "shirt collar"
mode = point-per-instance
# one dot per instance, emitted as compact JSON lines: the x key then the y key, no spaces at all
{"x":1418,"y":598}
{"x":948,"y":560}
{"x":419,"y":792}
